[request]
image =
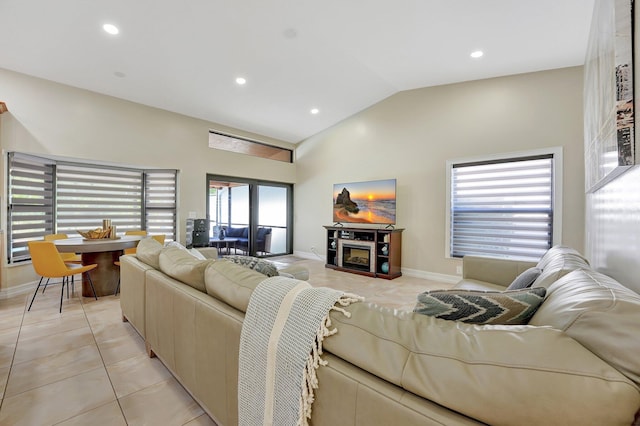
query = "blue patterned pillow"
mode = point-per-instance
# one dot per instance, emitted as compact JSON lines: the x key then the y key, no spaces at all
{"x":482,"y":307}
{"x":259,"y":265}
{"x":525,"y":279}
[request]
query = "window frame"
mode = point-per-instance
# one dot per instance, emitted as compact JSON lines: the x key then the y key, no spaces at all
{"x":557,"y":184}
{"x":253,"y":185}
{"x":52,"y":225}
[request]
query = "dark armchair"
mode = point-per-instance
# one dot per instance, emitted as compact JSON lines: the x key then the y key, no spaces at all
{"x":263,"y":239}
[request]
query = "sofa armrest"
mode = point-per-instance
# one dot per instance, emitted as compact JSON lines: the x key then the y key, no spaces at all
{"x":267,"y":243}
{"x":492,"y":270}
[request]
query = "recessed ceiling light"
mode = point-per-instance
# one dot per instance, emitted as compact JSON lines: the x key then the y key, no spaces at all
{"x":241,"y":81}
{"x":111,"y":29}
{"x":290,"y":33}
{"x":315,"y":110}
{"x":477,"y":54}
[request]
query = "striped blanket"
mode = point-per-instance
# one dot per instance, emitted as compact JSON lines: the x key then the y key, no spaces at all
{"x":280,"y":348}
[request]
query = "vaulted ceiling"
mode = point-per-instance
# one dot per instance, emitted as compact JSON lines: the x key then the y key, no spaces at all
{"x":338,"y":57}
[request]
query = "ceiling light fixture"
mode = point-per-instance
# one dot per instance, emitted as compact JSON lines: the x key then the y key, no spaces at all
{"x":111,"y":29}
{"x":315,"y":111}
{"x":477,"y":54}
{"x":241,"y":81}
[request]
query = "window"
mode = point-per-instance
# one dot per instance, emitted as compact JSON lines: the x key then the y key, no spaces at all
{"x":50,"y":196}
{"x":504,"y":207}
{"x":249,"y":147}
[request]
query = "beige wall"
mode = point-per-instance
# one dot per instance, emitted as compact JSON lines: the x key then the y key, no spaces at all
{"x":54,"y":119}
{"x":411,"y":135}
{"x":613,"y":216}
{"x":408,"y":136}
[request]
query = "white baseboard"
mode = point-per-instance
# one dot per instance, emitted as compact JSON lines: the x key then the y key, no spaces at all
{"x":309,"y":255}
{"x":431,"y":276}
{"x":426,"y":275}
{"x":18,"y":290}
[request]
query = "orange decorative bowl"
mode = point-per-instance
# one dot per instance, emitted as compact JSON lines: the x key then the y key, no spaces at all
{"x":95,"y":234}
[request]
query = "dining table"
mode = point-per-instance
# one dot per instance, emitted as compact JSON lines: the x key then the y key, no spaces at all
{"x":103,"y":252}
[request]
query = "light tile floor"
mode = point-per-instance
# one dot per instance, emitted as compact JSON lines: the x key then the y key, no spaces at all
{"x":88,"y":367}
{"x":83,"y":367}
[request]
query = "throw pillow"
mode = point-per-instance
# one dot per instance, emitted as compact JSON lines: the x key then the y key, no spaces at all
{"x":525,"y":279}
{"x":196,"y":253}
{"x":259,"y":265}
{"x":176,"y":245}
{"x":192,"y":251}
{"x":482,"y":307}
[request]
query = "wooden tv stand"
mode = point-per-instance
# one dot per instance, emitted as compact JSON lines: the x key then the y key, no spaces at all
{"x":374,"y":252}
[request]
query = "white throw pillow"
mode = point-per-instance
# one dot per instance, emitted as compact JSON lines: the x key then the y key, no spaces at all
{"x":196,"y":253}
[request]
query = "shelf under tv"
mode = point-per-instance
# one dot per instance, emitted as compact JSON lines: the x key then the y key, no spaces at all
{"x":373,"y":252}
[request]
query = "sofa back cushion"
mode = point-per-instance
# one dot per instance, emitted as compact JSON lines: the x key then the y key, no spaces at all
{"x":231,"y":283}
{"x":237,"y":232}
{"x":148,"y":251}
{"x":182,"y":266}
{"x":598,"y":312}
{"x":557,"y":262}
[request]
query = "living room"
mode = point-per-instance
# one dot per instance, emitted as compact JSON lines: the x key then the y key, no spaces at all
{"x":409,"y":136}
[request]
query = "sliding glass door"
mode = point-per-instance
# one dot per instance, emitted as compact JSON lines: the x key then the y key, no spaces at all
{"x":254,"y":216}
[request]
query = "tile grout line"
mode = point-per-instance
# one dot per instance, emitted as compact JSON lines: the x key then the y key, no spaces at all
{"x":15,"y":349}
{"x":102,"y":359}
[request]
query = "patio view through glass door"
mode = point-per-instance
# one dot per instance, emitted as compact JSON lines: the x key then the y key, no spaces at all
{"x":255,"y":215}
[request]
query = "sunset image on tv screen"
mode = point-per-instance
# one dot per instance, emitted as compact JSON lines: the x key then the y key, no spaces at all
{"x":365,"y":202}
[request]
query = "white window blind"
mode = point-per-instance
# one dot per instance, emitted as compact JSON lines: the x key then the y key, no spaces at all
{"x":49,"y":196}
{"x":160,"y":202}
{"x":31,"y":203}
{"x":502,"y":208}
{"x":87,"y":194}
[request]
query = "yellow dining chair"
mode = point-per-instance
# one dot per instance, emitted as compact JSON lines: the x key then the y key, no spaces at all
{"x":159,"y":238}
{"x":66,"y":257}
{"x":131,"y":250}
{"x":48,"y":263}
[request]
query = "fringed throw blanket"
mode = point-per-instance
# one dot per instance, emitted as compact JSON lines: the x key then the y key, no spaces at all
{"x":280,"y":348}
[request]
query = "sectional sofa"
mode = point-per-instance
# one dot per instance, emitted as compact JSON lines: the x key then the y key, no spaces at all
{"x":575,"y":363}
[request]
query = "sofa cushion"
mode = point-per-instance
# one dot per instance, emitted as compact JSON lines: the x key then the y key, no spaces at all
{"x":259,"y":265}
{"x":181,"y":265}
{"x":231,"y":283}
{"x":598,"y":312}
{"x":148,"y":251}
{"x":559,"y":251}
{"x":557,"y":262}
{"x":525,"y":279}
{"x":201,"y":253}
{"x":481,"y":307}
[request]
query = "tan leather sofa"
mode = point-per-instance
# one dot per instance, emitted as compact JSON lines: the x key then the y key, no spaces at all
{"x":576,"y":363}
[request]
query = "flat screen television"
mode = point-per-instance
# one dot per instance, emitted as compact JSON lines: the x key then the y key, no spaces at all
{"x":371,"y":202}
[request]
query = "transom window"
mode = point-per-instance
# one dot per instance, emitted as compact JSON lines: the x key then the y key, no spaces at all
{"x":240,"y":145}
{"x":48,"y":196}
{"x":503,"y":207}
